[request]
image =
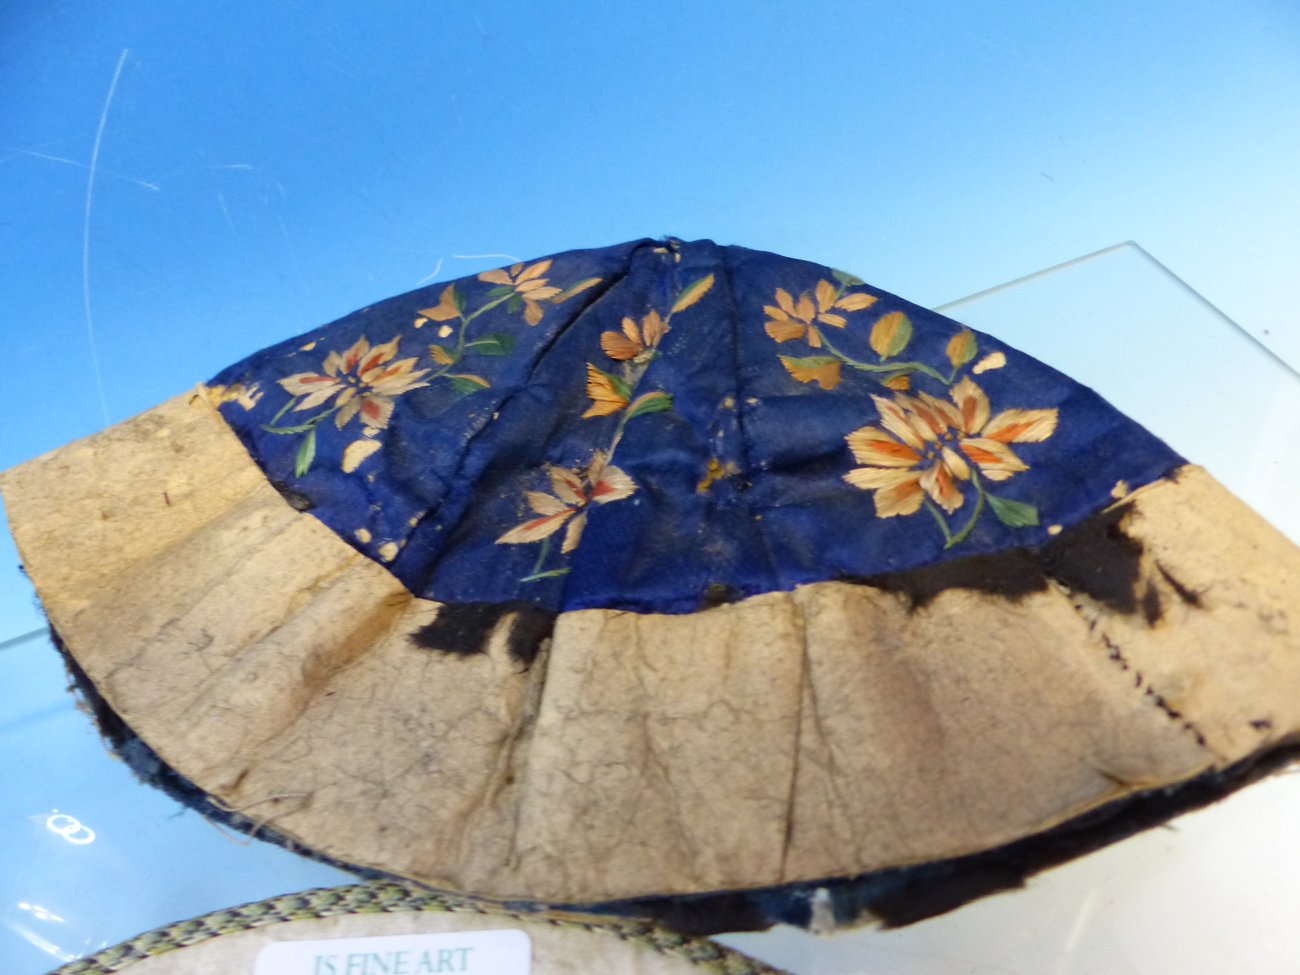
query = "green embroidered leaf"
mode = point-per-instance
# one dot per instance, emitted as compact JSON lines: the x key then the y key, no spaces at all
{"x":619,"y":383}
{"x":1014,"y":514}
{"x":962,"y":348}
{"x":306,"y":454}
{"x":846,"y":279}
{"x":459,"y":299}
{"x":692,"y":294}
{"x":574,"y":289}
{"x":890,"y":334}
{"x":494,"y":343}
{"x":467,"y":383}
{"x":650,"y":403}
{"x":514,"y":302}
{"x":499,"y":290}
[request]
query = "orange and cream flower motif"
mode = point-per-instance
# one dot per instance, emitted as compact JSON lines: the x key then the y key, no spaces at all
{"x":635,"y":343}
{"x":791,"y":319}
{"x":572,"y":493}
{"x":364,"y":379}
{"x":527,"y":283}
{"x":925,"y":446}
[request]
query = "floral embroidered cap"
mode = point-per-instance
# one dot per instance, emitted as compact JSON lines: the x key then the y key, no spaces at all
{"x":654,"y":426}
{"x":666,"y":579}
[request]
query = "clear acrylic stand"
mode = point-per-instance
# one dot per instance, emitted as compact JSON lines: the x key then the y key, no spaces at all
{"x":1124,"y":324}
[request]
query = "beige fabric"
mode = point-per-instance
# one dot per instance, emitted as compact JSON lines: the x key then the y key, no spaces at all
{"x":791,"y":736}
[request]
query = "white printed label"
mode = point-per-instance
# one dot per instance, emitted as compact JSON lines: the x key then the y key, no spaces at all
{"x":507,"y":952}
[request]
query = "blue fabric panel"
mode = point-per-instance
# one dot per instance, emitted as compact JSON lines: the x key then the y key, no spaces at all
{"x":737,"y":389}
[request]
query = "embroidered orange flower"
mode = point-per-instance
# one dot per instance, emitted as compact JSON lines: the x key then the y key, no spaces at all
{"x":609,"y":393}
{"x":572,"y":493}
{"x":637,"y":344}
{"x":445,"y":310}
{"x":824,"y":370}
{"x":364,"y":379}
{"x":527,"y":283}
{"x":927,"y":445}
{"x":790,"y":319}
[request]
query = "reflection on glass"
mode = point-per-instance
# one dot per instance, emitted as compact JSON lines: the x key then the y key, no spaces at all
{"x":1121,"y":322}
{"x":44,"y":944}
{"x":70,"y":828}
{"x":39,"y":912}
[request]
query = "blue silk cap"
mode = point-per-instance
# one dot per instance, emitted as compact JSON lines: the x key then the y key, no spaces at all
{"x":661,"y":425}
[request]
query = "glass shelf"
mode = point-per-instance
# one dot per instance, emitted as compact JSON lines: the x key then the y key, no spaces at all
{"x":1121,"y":322}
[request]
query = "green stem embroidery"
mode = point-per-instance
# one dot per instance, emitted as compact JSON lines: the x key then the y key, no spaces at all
{"x":632,"y":374}
{"x":283,"y":410}
{"x":618,"y":431}
{"x":634,"y":371}
{"x":301,"y":427}
{"x":979,"y":506}
{"x":537,"y":572}
{"x":949,"y":539}
{"x":307,"y":449}
{"x":490,"y":305}
{"x":460,"y":335}
{"x":891,"y":367}
{"x":541,"y":556}
{"x":943,"y":525}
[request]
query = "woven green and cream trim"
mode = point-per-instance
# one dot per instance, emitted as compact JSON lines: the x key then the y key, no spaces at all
{"x":392,"y":897}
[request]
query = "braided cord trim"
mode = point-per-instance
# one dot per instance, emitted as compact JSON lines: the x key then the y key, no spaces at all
{"x":389,"y":897}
